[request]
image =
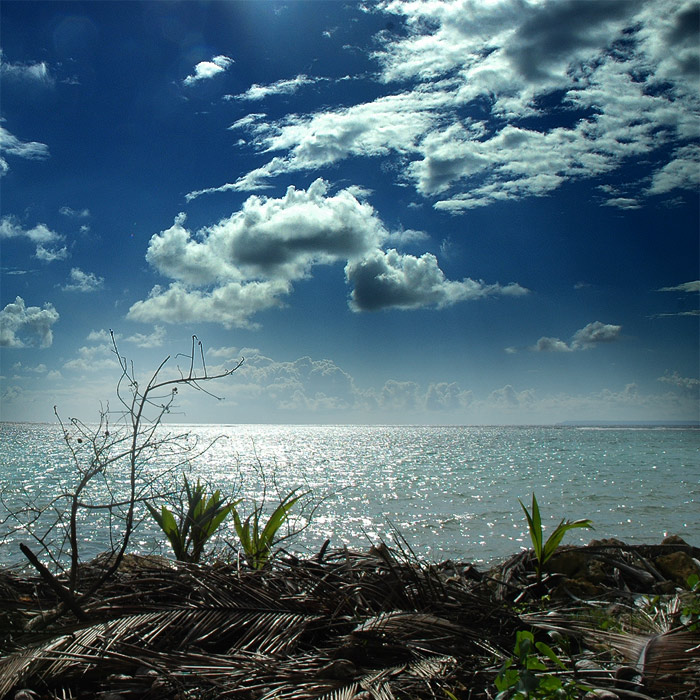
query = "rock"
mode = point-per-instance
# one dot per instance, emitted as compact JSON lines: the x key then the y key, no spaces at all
{"x":674,"y":539}
{"x":569,"y":562}
{"x":665,"y":587}
{"x":596,"y":572}
{"x":600,"y":694}
{"x":607,"y":542}
{"x":677,"y":566}
{"x":579,"y":587}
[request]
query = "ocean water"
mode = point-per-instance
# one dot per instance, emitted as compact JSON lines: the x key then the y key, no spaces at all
{"x":445,"y":492}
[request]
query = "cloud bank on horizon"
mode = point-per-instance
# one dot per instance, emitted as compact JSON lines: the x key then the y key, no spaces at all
{"x":420,"y":179}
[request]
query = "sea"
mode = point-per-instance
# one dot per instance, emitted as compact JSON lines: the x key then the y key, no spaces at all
{"x":436,"y":493}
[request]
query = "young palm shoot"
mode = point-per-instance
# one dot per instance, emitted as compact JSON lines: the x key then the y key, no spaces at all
{"x":196,"y":526}
{"x":545,"y":550}
{"x":257,"y":540}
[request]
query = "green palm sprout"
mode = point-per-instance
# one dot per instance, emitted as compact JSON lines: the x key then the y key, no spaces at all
{"x":189,"y":534}
{"x":257,"y":540}
{"x":545,"y":550}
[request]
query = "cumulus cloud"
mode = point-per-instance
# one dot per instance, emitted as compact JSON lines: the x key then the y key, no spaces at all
{"x":245,"y":263}
{"x":23,"y":326}
{"x":281,"y":237}
{"x":101,"y":336}
{"x":508,"y":397}
{"x":39,"y":234}
{"x":546,"y":344}
{"x":584,"y":339}
{"x":208,"y":69}
{"x":392,"y":280}
{"x":595,"y":333}
{"x":93,"y":359}
{"x":152,"y":340}
{"x":83,"y":281}
{"x":689,"y":384}
{"x":619,"y":80}
{"x":231,"y":304}
{"x":49,"y":255}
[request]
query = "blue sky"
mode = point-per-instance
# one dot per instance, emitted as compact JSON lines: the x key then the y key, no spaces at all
{"x":398,"y":212}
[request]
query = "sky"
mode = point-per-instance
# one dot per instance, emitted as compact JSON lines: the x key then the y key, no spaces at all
{"x":468,"y":212}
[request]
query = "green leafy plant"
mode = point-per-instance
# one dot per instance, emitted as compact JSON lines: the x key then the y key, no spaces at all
{"x":526,"y":675}
{"x":690,"y":612}
{"x":196,"y":524}
{"x":545,"y":550}
{"x":257,"y":539}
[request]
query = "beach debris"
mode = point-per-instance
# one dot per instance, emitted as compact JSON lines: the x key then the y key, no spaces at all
{"x":355,"y":625}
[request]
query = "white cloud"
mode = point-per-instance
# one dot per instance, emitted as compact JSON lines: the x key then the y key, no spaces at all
{"x":445,"y":396}
{"x":392,"y":280}
{"x":508,"y":397}
{"x":208,"y":69}
{"x":692,"y":287}
{"x":390,"y":124}
{"x":224,"y":352}
{"x":627,"y":203}
{"x":683,"y":172}
{"x":584,"y":339}
{"x":11,"y":228}
{"x":22,"y":325}
{"x":50,"y":255}
{"x":619,"y":79}
{"x":154,"y":340}
{"x":101,"y":336}
{"x":689,"y":287}
{"x":281,"y":87}
{"x":692,"y":312}
{"x":41,"y":235}
{"x":83,"y":281}
{"x":546,"y":344}
{"x":690,"y":384}
{"x":26,"y":72}
{"x":93,"y":359}
{"x":320,"y":390}
{"x":244,"y":264}
{"x":74,"y":213}
{"x":11,"y":145}
{"x":39,"y":369}
{"x":231,"y":304}
{"x":595,"y":333}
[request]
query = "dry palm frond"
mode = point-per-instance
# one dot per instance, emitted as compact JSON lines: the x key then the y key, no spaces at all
{"x":268,"y":632}
{"x":663,"y":659}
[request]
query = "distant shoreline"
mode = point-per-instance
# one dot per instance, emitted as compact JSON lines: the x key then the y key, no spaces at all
{"x":695,"y":425}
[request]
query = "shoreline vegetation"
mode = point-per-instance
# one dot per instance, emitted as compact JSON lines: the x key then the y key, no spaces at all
{"x":252,"y":621}
{"x":605,"y":620}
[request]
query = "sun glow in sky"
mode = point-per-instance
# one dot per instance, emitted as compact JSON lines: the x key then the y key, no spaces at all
{"x":397,"y":212}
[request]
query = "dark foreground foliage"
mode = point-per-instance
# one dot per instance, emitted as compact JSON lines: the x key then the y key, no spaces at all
{"x":346,"y":625}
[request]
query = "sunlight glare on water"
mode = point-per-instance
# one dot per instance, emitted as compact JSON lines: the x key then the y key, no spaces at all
{"x":451,"y":492}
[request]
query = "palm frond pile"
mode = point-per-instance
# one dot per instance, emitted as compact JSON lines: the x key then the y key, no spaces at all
{"x":342,"y":625}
